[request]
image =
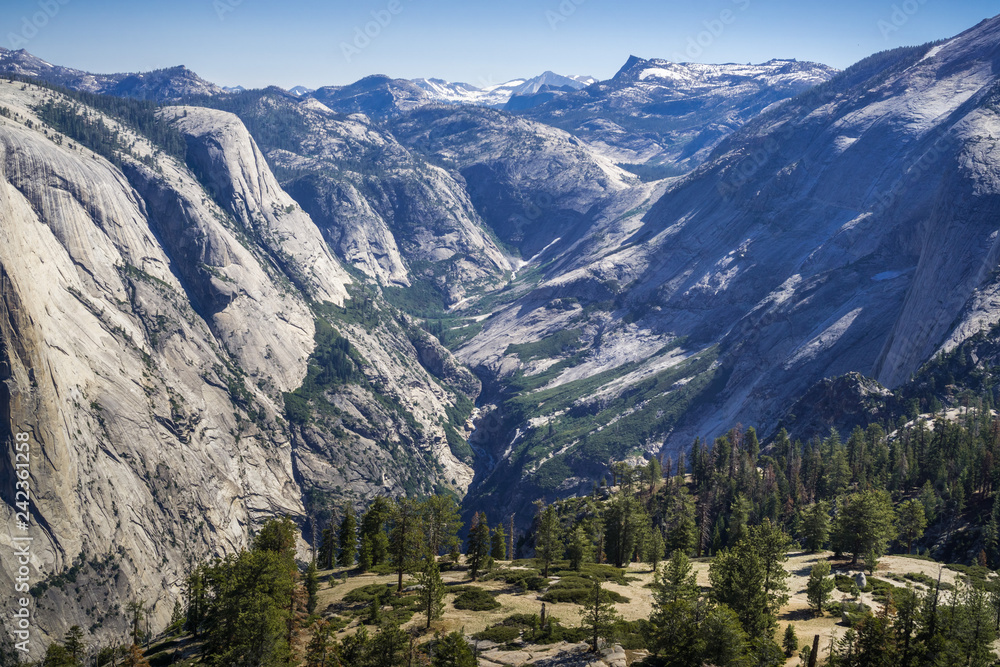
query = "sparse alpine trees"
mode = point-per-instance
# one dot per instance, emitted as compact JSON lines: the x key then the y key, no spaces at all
{"x":405,"y":537}
{"x":547,"y":545}
{"x":750,"y":578}
{"x":477,"y":552}
{"x":599,"y":616}
{"x":820,"y":586}
{"x":431,"y":589}
{"x":347,"y":538}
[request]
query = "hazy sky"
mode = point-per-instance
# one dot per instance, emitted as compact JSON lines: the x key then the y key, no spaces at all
{"x":311,"y":42}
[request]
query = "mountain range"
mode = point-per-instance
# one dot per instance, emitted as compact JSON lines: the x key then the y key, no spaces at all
{"x":236,"y":305}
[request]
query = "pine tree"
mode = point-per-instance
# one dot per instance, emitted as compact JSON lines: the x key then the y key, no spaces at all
{"x":478,"y":549}
{"x":655,"y":548}
{"x":790,"y":643}
{"x":389,"y":646}
{"x":327,"y":549}
{"x":255,"y":601}
{"x":452,"y":651}
{"x":431,"y":589}
{"x":871,"y":560}
{"x":816,"y":526}
{"x":820,"y":586}
{"x":722,"y":641}
{"x":654,"y":473}
{"x":679,"y":522}
{"x":366,"y":560}
{"x":442,"y":522}
{"x":547,"y":538}
{"x":866,"y":520}
{"x":322,"y":649}
{"x":599,"y":616}
{"x":930,"y":500}
{"x":405,"y":538}
{"x":579,"y":549}
{"x":498,"y":550}
{"x":347,"y":539}
{"x":625,"y":526}
{"x":74,"y":643}
{"x":911,"y":522}
{"x":991,"y":533}
{"x":750,"y":578}
{"x":373,"y":530}
{"x":677,"y":613}
{"x":677,"y":581}
{"x":56,"y":655}
{"x":196,"y":602}
{"x":135,"y":610}
{"x":356,"y":648}
{"x":312,"y":587}
{"x":739,"y":518}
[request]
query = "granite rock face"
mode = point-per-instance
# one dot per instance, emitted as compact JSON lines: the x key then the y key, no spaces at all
{"x":851,"y":229}
{"x":153,"y":315}
{"x":384,"y":209}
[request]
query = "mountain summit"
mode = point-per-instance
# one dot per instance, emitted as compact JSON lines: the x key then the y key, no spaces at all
{"x":164,"y":85}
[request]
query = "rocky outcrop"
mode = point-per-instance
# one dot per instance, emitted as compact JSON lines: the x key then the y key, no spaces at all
{"x":382,"y":208}
{"x":232,"y":168}
{"x":144,"y":453}
{"x":839,"y":404}
{"x":163,"y":85}
{"x":152,"y":317}
{"x":533,"y":184}
{"x":850,"y":229}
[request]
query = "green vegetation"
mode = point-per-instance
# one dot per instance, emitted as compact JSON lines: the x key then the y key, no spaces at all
{"x":273,"y":125}
{"x":476,"y":599}
{"x":422,"y":299}
{"x":246,"y":606}
{"x":820,"y":586}
{"x":333,"y":363}
{"x":501,"y":634}
{"x":76,"y":120}
{"x":577,"y":427}
{"x":558,"y":344}
{"x":525,"y":580}
{"x":578,"y":590}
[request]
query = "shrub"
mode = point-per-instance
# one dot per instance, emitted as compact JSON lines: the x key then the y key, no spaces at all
{"x":365,"y":594}
{"x":632,"y":635}
{"x":881,"y":589}
{"x":598,"y":572}
{"x":845,"y":584}
{"x":975,"y":573}
{"x":928,"y":581}
{"x":554,"y":633}
{"x":526,"y":580}
{"x":523,"y":621}
{"x":920,"y":578}
{"x":500,"y":634}
{"x":580,"y":595}
{"x":476,"y":599}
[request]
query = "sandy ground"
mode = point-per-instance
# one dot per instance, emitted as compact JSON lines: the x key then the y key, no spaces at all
{"x":457,"y":619}
{"x":796,"y":612}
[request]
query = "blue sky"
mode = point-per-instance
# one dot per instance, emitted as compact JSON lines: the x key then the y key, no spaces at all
{"x":313,"y":42}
